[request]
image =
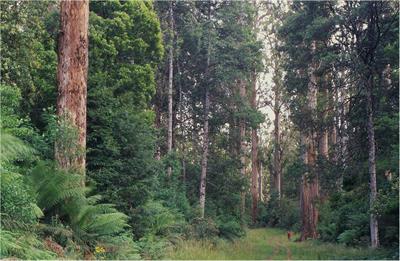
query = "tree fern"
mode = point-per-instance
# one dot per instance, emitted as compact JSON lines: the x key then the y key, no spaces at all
{"x":59,"y":192}
{"x":13,"y":148}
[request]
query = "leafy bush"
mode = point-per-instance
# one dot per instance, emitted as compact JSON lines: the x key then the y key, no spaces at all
{"x":344,"y":218}
{"x":18,"y":206}
{"x":18,"y":203}
{"x":349,"y":237}
{"x":154,"y":219}
{"x":202,"y":228}
{"x":229,"y":227}
{"x":152,"y":247}
{"x":283,"y":213}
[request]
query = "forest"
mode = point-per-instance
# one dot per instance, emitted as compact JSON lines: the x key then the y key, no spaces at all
{"x":207,"y":129}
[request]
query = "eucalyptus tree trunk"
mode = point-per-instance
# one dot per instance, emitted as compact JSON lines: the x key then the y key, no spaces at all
{"x":260,"y":181}
{"x":323,"y":135}
{"x":309,"y":192}
{"x":372,"y":164}
{"x":170,"y":82}
{"x":254,"y":153}
{"x":72,"y":83}
{"x":333,"y":133}
{"x":203,"y":177}
{"x":242,"y":150}
{"x":277,"y":143}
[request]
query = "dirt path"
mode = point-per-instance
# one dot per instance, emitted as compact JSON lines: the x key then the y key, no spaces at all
{"x":288,"y":252}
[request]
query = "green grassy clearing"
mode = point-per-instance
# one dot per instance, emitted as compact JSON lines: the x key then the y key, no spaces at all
{"x":268,"y":244}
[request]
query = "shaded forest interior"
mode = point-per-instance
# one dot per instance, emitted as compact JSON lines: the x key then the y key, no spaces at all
{"x":129,"y":127}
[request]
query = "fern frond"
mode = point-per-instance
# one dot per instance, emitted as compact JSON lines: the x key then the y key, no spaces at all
{"x":23,"y":246}
{"x":108,"y":224}
{"x":13,"y":148}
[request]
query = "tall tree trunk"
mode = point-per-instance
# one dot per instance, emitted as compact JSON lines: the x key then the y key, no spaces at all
{"x":157,"y":110}
{"x":254,"y":153}
{"x":72,"y":82}
{"x":170,"y":82}
{"x":323,"y":136}
{"x":277,"y":144}
{"x":242,"y":151}
{"x":310,"y":188}
{"x":205,"y":135}
{"x":372,"y":164}
{"x":333,"y":136}
{"x":260,"y":181}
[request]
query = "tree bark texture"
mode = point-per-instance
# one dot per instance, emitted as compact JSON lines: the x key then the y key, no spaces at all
{"x":72,"y":82}
{"x":254,"y":154}
{"x":170,"y":83}
{"x":372,"y":164}
{"x":310,"y":188}
{"x":242,"y":147}
{"x":323,"y":135}
{"x":277,"y":144}
{"x":260,"y":181}
{"x":203,"y":177}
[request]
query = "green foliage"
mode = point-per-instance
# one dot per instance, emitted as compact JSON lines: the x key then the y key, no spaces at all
{"x":23,"y":245}
{"x":281,"y":213}
{"x":125,"y":48}
{"x":152,"y":247}
{"x":13,"y":122}
{"x":345,"y":219}
{"x":18,"y":203}
{"x":230,"y":228}
{"x":202,"y":228}
{"x":13,"y":149}
{"x":29,"y":58}
{"x":60,"y":194}
{"x":154,"y":219}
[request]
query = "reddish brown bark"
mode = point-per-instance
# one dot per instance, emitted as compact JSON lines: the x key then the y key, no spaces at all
{"x":323,"y":136}
{"x":309,"y":192}
{"x":72,"y":80}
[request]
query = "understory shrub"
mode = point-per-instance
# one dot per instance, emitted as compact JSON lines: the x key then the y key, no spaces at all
{"x":153,"y":218}
{"x":344,"y":218}
{"x":24,"y":245}
{"x":71,"y":215}
{"x":18,"y":204}
{"x":202,"y":228}
{"x":283,"y":213}
{"x":229,"y":227}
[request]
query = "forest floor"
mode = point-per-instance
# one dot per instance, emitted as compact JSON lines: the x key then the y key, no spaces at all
{"x":268,"y":244}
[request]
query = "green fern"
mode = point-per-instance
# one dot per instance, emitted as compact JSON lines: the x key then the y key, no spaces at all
{"x":13,"y":148}
{"x":22,"y":245}
{"x":91,"y":223}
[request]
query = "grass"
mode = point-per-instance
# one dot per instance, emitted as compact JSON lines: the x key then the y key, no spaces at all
{"x":268,"y":244}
